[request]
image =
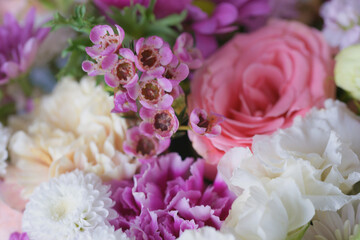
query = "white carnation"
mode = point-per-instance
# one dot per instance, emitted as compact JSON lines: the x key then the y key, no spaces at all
{"x":205,"y":233}
{"x":67,"y":206}
{"x":319,"y":152}
{"x":4,"y":138}
{"x":72,"y":128}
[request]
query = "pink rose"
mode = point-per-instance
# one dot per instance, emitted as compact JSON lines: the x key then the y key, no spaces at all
{"x":260,"y":82}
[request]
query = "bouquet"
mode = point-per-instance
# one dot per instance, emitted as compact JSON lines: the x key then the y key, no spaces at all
{"x":179,"y":119}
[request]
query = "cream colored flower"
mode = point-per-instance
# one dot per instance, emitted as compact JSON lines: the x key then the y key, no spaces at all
{"x":347,"y":70}
{"x":4,"y":138}
{"x":70,"y":129}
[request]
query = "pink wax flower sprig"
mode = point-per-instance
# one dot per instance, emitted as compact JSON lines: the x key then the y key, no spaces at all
{"x":186,"y":52}
{"x":206,"y":124}
{"x":18,"y":45}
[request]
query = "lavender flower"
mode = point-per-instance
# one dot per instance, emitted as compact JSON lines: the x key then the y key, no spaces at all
{"x":167,"y":197}
{"x":176,"y":71}
{"x":18,"y":236}
{"x":341,"y":18}
{"x":205,"y":124}
{"x":18,"y":45}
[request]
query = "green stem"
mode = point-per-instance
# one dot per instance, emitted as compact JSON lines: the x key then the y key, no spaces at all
{"x":183,"y":128}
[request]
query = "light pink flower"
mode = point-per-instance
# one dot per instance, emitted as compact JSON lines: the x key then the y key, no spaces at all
{"x":10,"y":221}
{"x":260,"y":82}
{"x":187,"y":53}
{"x":152,"y":55}
{"x":144,"y":146}
{"x":161,"y":123}
{"x":206,"y":124}
{"x":105,"y":40}
{"x":153,"y":92}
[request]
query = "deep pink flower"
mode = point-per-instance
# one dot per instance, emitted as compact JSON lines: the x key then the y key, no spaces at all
{"x":206,"y":124}
{"x":123,"y":102}
{"x":161,"y":123}
{"x":105,"y":40}
{"x":123,"y":71}
{"x":19,"y":236}
{"x":18,"y":45}
{"x":153,"y":92}
{"x":186,"y":52}
{"x":176,"y":71}
{"x":152,"y":55}
{"x":142,"y":145}
{"x":167,"y":197}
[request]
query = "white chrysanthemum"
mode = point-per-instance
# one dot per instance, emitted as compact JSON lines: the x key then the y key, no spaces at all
{"x":205,"y":233}
{"x":341,"y":225}
{"x":66,"y":206}
{"x":320,"y":152}
{"x":72,"y":128}
{"x":104,"y":233}
{"x":4,"y":138}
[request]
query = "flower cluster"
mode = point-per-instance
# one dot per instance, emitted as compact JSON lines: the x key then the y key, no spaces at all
{"x":153,"y":93}
{"x":167,"y":197}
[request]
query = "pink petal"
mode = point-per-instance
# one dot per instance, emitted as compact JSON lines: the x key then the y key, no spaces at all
{"x":87,"y":66}
{"x":111,"y":80}
{"x":139,"y":44}
{"x":98,"y":31}
{"x":166,"y":55}
{"x":127,"y":53}
{"x":147,"y":128}
{"x":207,"y":26}
{"x":11,"y":69}
{"x":146,"y":113}
{"x":28,"y":54}
{"x":109,"y":61}
{"x":120,"y":32}
{"x":93,"y":51}
{"x":154,"y":41}
{"x":225,"y":14}
{"x":165,"y":102}
{"x":165,"y":84}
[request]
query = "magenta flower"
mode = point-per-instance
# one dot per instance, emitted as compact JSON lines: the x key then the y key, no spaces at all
{"x":161,"y":123}
{"x":123,"y":102}
{"x":142,"y":145}
{"x":175,"y":71}
{"x":206,"y":124}
{"x":153,"y":92}
{"x":18,"y":45}
{"x":186,"y":52}
{"x":18,"y":236}
{"x":105,"y":40}
{"x":167,"y":197}
{"x":205,"y":27}
{"x":123,"y":72}
{"x":152,"y":55}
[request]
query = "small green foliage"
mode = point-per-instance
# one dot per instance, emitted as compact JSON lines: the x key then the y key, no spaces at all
{"x":80,"y":22}
{"x":139,"y":21}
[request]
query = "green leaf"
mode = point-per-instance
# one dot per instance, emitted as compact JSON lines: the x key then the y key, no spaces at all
{"x":298,"y":233}
{"x":173,"y":19}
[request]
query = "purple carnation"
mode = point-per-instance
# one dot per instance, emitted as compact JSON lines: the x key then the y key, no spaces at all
{"x":18,"y":45}
{"x":18,"y":236}
{"x":167,"y":197}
